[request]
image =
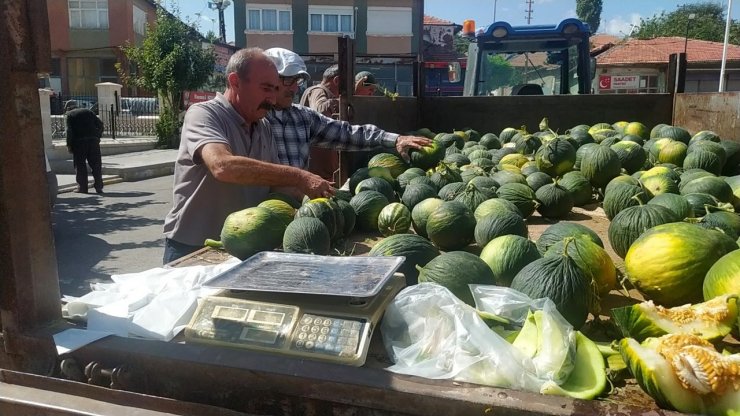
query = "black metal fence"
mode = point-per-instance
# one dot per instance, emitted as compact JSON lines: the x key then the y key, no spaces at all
{"x":134,"y":116}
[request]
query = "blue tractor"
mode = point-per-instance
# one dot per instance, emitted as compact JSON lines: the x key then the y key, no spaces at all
{"x":529,"y":60}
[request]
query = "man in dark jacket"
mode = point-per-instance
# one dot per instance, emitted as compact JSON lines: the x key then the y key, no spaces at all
{"x":84,"y":129}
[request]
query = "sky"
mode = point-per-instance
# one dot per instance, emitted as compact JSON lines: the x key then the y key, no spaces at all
{"x":617,"y":16}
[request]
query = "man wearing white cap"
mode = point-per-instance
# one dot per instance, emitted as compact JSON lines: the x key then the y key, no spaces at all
{"x":227,"y":159}
{"x":295,"y":127}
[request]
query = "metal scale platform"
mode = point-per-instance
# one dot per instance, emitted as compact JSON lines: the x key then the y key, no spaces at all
{"x":317,"y":307}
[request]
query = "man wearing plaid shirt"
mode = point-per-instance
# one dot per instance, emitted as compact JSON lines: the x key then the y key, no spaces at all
{"x":295,"y":128}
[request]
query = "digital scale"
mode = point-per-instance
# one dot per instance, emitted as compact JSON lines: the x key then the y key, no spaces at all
{"x":317,"y":307}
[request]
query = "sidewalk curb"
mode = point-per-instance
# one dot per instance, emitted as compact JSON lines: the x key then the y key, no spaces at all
{"x":72,"y":187}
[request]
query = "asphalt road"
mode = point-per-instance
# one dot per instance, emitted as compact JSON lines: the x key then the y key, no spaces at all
{"x":120,"y":231}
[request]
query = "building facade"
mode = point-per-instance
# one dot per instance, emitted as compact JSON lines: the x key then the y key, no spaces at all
{"x":86,"y":37}
{"x":641,"y":66}
{"x":386,"y":34}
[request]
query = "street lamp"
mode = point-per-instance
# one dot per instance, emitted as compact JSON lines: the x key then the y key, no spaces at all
{"x":686,"y":37}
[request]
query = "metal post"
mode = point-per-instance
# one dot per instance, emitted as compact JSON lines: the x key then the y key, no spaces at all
{"x":112,"y":122}
{"x":724,"y":47}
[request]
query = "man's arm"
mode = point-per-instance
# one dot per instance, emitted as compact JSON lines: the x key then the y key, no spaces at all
{"x":226,"y":167}
{"x":340,"y":135}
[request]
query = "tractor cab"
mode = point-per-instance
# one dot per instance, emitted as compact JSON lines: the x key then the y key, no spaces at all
{"x":528,"y":60}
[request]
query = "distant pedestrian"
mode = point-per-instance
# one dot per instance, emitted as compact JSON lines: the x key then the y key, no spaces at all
{"x":84,"y":130}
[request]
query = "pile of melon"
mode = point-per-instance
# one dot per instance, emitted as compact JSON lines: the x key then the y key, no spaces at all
{"x":459,"y":209}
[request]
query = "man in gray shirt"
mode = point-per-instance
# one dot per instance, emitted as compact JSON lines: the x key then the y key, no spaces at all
{"x":227,"y":159}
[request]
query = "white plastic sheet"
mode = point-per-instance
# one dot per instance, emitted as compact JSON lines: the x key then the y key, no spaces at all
{"x":428,"y":332}
{"x":154,"y":304}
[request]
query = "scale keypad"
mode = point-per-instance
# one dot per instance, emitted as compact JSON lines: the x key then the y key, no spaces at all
{"x":327,"y":335}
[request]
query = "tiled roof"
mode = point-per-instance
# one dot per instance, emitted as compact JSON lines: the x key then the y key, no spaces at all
{"x":658,"y":50}
{"x":602,"y":38}
{"x":431,"y":20}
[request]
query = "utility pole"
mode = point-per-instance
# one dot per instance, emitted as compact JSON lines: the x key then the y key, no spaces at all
{"x":220,"y":5}
{"x":529,"y":11}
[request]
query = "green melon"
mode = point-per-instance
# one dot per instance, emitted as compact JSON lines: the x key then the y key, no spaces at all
{"x":536,"y":180}
{"x":392,"y":162}
{"x":307,"y":235}
{"x":723,"y":278}
{"x":494,"y":206}
{"x":556,"y":157}
{"x":560,"y":279}
{"x":451,"y":226}
{"x":592,"y":259}
{"x":417,"y":192}
{"x":420,"y":214}
{"x":563,"y":229}
{"x":668,"y":262}
{"x":618,"y":198}
{"x":379,"y":185}
{"x":490,"y":141}
{"x":655,"y":185}
{"x":554,"y":201}
{"x":676,"y":203}
{"x":250,"y":231}
{"x":675,"y":133}
{"x":417,"y":250}
{"x":428,"y":156}
{"x":350,"y":217}
{"x":472,"y":196}
{"x":394,"y":218}
{"x":630,"y":154}
{"x":600,"y":165}
{"x":507,"y":255}
{"x":520,"y":195}
{"x":712,"y":185}
{"x":327,"y":211}
{"x":496,"y":225}
{"x":281,"y":208}
{"x":578,"y":186}
{"x":455,"y":270}
{"x":631,"y":222}
{"x":703,"y":159}
{"x":367,"y":206}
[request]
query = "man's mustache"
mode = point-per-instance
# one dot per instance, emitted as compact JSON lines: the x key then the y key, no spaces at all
{"x":265,"y":105}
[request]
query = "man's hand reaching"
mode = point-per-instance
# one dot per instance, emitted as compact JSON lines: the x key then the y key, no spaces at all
{"x":406,"y":143}
{"x":315,"y":186}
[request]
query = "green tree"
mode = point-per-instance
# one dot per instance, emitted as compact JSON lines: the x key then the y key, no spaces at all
{"x":169,"y":61}
{"x":589,"y":11}
{"x":461,"y":44}
{"x":708,"y":23}
{"x":497,"y":73}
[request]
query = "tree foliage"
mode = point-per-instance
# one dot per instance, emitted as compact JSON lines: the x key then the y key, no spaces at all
{"x":497,"y":73}
{"x":707,"y":24}
{"x":169,"y":61}
{"x":589,"y":11}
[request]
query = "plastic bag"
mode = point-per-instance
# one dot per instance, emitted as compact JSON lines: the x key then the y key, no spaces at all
{"x":428,"y":332}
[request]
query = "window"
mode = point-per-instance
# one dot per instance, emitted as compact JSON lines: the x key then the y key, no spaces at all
{"x":92,"y":14}
{"x":139,"y":21}
{"x":330,"y":19}
{"x":269,"y":18}
{"x":389,"y":21}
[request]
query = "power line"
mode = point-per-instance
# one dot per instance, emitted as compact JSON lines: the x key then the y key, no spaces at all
{"x":220,"y":5}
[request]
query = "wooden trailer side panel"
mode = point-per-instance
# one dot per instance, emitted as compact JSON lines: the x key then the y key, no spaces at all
{"x":718,"y":112}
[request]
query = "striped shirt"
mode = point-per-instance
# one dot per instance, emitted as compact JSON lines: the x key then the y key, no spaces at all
{"x":297,"y":128}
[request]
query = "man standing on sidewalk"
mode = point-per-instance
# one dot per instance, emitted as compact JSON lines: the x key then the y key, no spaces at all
{"x":84,"y":130}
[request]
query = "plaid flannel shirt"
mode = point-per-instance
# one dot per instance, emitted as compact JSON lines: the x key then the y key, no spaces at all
{"x":296,"y":128}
